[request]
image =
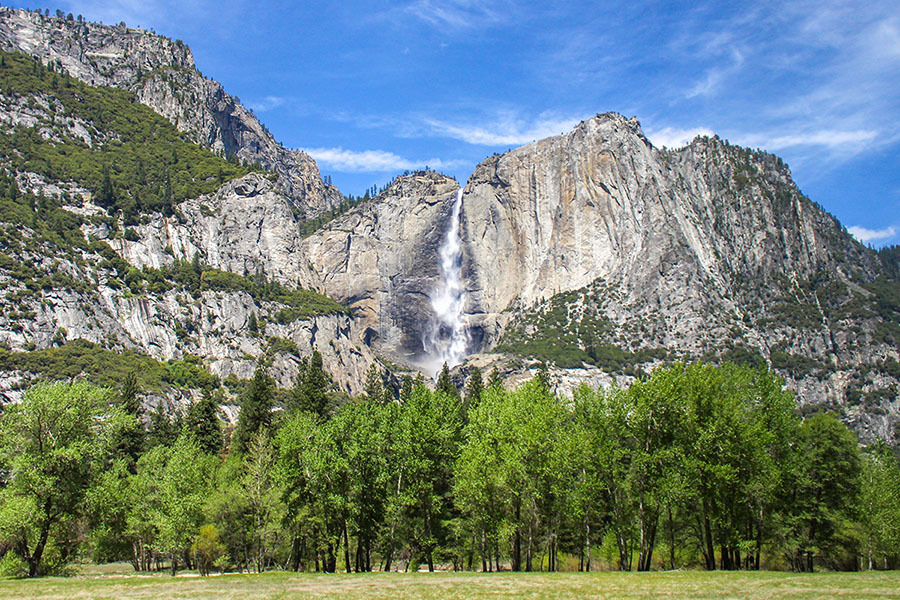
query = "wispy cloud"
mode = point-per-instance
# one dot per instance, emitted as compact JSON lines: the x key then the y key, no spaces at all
{"x":458,"y":14}
{"x":870,"y":235}
{"x":715,"y":77}
{"x":506,"y":129}
{"x":373,"y":161}
{"x":837,"y":142}
{"x":671,"y":137}
{"x":267,"y":103}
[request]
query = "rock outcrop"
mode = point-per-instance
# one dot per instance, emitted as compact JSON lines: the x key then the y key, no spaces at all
{"x":245,"y":227}
{"x":381,"y":260}
{"x":693,"y":252}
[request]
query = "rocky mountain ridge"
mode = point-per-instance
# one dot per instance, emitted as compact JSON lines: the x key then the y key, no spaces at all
{"x":593,"y":251}
{"x":162,"y":75}
{"x":629,"y":255}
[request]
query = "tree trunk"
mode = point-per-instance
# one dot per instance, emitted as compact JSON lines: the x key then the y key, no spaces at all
{"x":346,"y":548}
{"x":671,"y":537}
{"x":295,"y":554}
{"x":710,"y":553}
{"x":530,"y":550}
{"x":587,"y":542}
{"x":622,"y":543}
{"x":34,"y":559}
{"x":871,"y":554}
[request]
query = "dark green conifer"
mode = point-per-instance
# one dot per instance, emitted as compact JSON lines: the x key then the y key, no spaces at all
{"x":445,"y":384}
{"x":375,"y":389}
{"x":202,"y":422}
{"x":311,"y":387}
{"x":129,"y":441}
{"x":256,"y":410}
{"x":474,"y":389}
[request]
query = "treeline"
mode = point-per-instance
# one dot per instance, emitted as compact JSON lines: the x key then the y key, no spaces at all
{"x":693,"y":466}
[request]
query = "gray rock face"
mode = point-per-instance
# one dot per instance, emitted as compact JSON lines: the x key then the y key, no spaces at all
{"x":693,"y":251}
{"x":162,"y":75}
{"x":602,"y":203}
{"x":212,"y":325}
{"x":697,"y":252}
{"x":381,"y":259}
{"x":246,"y":226}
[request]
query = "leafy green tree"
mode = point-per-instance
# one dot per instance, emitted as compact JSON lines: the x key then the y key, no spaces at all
{"x":228,"y":508}
{"x":263,"y":498}
{"x":824,"y":493}
{"x":207,"y":549}
{"x":53,"y":445}
{"x":109,"y":503}
{"x":256,"y":410}
{"x":879,"y":509}
{"x":480,"y":489}
{"x":183,"y":474}
{"x":426,"y":443}
{"x":313,"y":476}
{"x":361,"y":436}
{"x":514,"y":462}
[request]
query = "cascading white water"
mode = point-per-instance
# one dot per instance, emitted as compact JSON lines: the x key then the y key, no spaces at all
{"x":447,"y":338}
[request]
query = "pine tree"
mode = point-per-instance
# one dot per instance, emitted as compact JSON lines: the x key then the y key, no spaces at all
{"x":106,"y":197}
{"x":495,"y":380}
{"x":375,"y":389}
{"x":256,"y":410}
{"x":474,"y":389}
{"x":311,"y":387}
{"x":406,"y":389}
{"x":129,"y":441}
{"x":202,"y":422}
{"x":543,"y":376}
{"x":163,"y":428}
{"x":445,"y":384}
{"x":252,"y":323}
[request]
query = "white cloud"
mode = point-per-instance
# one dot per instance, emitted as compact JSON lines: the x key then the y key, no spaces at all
{"x":457,"y":14}
{"x":373,"y":161}
{"x":671,"y":137}
{"x":267,"y":103}
{"x":838,"y":142}
{"x":716,"y":76}
{"x":506,"y":130}
{"x":870,"y":235}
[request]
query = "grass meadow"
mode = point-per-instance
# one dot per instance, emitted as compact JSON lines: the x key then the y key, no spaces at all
{"x":117,"y":582}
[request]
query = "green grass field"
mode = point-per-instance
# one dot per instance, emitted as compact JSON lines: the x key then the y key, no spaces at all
{"x":118,"y":584}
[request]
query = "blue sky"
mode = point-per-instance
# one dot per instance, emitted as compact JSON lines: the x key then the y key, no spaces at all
{"x":374,"y":88}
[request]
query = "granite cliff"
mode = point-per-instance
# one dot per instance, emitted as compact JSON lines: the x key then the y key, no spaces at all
{"x":592,"y":251}
{"x":162,"y":75}
{"x":598,"y":252}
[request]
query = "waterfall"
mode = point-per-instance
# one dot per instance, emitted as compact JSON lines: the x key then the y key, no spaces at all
{"x":446,"y":338}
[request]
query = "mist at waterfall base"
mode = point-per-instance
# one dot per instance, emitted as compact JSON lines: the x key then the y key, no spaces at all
{"x":446,"y":339}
